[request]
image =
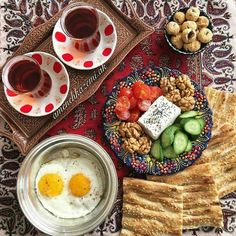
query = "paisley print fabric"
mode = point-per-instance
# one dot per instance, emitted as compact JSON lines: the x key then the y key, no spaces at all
{"x":214,"y":67}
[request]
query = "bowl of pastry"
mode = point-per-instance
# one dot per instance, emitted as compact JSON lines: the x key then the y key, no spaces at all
{"x":67,"y":185}
{"x":189,"y":30}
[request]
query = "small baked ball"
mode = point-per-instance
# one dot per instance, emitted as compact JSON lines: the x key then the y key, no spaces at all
{"x":179,"y":17}
{"x":177,"y":41}
{"x":189,"y":25}
{"x":172,"y":28}
{"x":193,"y":46}
{"x":202,"y":22}
{"x":192,"y":14}
{"x":205,"y":35}
{"x":188,"y":35}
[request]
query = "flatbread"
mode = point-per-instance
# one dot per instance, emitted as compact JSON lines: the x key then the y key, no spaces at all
{"x":222,"y":140}
{"x":151,"y":209}
{"x":201,"y":205}
{"x":221,"y":151}
{"x":221,"y":154}
{"x":223,"y":105}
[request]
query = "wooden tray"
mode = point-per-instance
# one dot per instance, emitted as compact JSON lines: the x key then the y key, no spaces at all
{"x":27,"y":131}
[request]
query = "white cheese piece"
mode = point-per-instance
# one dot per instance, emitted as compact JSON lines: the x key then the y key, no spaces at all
{"x":158,"y":117}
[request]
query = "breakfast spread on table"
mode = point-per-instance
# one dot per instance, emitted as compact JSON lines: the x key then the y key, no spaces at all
{"x":157,"y":120}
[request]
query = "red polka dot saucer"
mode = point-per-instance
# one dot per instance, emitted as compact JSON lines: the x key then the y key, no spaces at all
{"x":68,"y":54}
{"x":43,"y":103}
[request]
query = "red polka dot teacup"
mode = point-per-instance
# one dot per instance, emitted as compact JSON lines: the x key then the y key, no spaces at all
{"x":50,"y":96}
{"x":80,"y":22}
{"x":23,"y":74}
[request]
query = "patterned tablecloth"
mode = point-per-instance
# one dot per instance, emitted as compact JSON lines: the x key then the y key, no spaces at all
{"x":214,"y":67}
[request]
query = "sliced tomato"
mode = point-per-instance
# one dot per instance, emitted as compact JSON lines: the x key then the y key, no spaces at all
{"x":126,"y":92}
{"x":134,"y":115}
{"x":122,"y":115}
{"x":133,"y":102}
{"x":143,"y":105}
{"x":141,"y":92}
{"x":137,"y":85}
{"x":122,"y":103}
{"x":156,"y":92}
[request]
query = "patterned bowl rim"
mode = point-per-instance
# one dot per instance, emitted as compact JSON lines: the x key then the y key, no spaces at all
{"x":204,"y":144}
{"x":167,"y":37}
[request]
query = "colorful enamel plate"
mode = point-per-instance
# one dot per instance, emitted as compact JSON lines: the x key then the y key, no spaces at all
{"x":52,"y":97}
{"x":146,"y":163}
{"x":68,"y":54}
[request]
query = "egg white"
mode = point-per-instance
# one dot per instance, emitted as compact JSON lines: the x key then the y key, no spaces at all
{"x":66,"y":205}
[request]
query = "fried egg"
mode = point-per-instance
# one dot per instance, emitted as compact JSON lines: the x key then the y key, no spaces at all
{"x":70,"y":187}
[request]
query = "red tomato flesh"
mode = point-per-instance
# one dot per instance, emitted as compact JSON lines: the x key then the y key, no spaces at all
{"x":134,"y":115}
{"x":122,"y":104}
{"x":141,"y":92}
{"x":155,"y":93}
{"x":143,"y":105}
{"x":137,"y":84}
{"x":136,"y":87}
{"x":133,"y":102}
{"x":125,"y":92}
{"x":122,"y":115}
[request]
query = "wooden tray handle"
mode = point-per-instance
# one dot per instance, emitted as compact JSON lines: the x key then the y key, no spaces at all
{"x":14,"y":135}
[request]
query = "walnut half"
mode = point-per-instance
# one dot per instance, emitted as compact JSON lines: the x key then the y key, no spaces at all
{"x":186,"y":103}
{"x":180,"y":91}
{"x":134,"y":139}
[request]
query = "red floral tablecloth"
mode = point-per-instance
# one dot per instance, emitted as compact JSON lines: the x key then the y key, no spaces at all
{"x":215,"y":67}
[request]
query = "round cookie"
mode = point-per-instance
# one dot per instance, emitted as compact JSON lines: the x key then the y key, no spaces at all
{"x":179,"y":17}
{"x":193,"y":46}
{"x":192,"y":14}
{"x":177,"y":41}
{"x":189,"y":25}
{"x":172,"y":28}
{"x":188,"y":35}
{"x":202,"y":22}
{"x":205,"y":35}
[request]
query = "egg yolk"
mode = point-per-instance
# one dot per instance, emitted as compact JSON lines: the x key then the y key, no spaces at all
{"x":50,"y":185}
{"x":79,"y":185}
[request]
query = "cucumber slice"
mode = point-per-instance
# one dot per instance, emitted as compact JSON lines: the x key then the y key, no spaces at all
{"x":156,"y":150}
{"x":180,"y":142}
{"x":189,"y":114}
{"x":169,"y":152}
{"x":167,"y":137}
{"x":201,"y":122}
{"x":200,"y":113}
{"x":183,"y":121}
{"x":192,"y":126}
{"x":189,"y":146}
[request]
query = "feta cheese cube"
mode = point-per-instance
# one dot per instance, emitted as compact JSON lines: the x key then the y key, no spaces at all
{"x":158,"y":117}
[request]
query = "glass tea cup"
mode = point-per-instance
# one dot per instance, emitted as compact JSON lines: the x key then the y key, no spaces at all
{"x":23,"y":74}
{"x":80,"y":22}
